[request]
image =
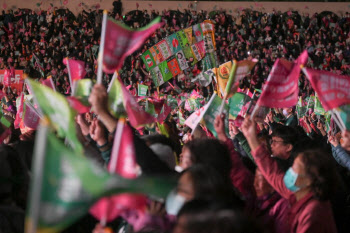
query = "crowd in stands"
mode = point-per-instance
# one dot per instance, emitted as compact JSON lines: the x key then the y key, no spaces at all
{"x":271,"y":176}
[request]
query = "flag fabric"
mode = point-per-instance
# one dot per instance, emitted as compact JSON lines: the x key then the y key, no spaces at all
{"x":149,"y":108}
{"x":318,"y":109}
{"x":236,"y":103}
{"x":212,"y":112}
{"x":181,"y":118}
{"x":82,"y":90}
{"x":204,"y":79}
{"x":301,"y":109}
{"x":56,"y":108}
{"x":66,"y":184}
{"x":19,"y":114}
{"x":121,"y":102}
{"x":49,"y":83}
{"x":121,"y":41}
{"x":332,"y":89}
{"x":31,"y":117}
{"x":166,"y":109}
{"x":344,"y":113}
{"x":281,"y":89}
{"x":222,"y":76}
{"x":193,"y":120}
{"x":76,"y":69}
{"x":77,"y":105}
{"x":142,"y":90}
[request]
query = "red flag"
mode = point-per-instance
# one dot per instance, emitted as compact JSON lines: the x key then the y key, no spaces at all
{"x":158,"y":104}
{"x":333,"y":90}
{"x":281,"y":89}
{"x":77,"y":105}
{"x":137,"y":116}
{"x":76,"y":69}
{"x":164,"y":113}
{"x":121,"y":41}
{"x":19,"y":114}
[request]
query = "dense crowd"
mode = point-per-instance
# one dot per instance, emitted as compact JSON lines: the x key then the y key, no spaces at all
{"x":266,"y":176}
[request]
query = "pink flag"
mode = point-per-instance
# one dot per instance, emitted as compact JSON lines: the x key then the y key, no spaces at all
{"x":31,"y":117}
{"x":49,"y":83}
{"x":19,"y":114}
{"x":121,"y":41}
{"x":195,"y":95}
{"x":76,"y":69}
{"x":164,"y":113}
{"x":281,"y":88}
{"x":7,"y":77}
{"x":333,"y":90}
{"x":77,"y":105}
{"x":137,"y":116}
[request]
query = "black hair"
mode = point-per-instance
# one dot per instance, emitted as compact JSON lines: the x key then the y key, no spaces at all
{"x":211,"y":152}
{"x":208,"y":184}
{"x":320,"y":167}
{"x":288,"y":134}
{"x":204,"y":216}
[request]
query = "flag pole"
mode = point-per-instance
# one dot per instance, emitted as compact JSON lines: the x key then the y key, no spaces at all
{"x":230,"y":83}
{"x":114,"y":158}
{"x":101,"y":49}
{"x":115,"y":75}
{"x":38,"y":165}
{"x":70,"y":78}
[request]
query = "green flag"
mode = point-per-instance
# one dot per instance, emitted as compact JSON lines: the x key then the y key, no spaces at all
{"x":56,"y":108}
{"x":181,"y":118}
{"x":115,"y":99}
{"x":212,"y":112}
{"x":344,"y":112}
{"x":318,"y":109}
{"x":300,"y":108}
{"x":235,"y":104}
{"x":82,"y":90}
{"x":65,"y":185}
{"x":149,"y":107}
{"x":142,"y":90}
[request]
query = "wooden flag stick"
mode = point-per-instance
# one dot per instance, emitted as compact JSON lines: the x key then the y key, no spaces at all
{"x":101,"y":49}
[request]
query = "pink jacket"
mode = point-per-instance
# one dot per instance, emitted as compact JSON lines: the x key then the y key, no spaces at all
{"x":307,"y":214}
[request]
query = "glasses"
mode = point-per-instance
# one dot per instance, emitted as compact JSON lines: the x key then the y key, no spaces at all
{"x":274,"y":141}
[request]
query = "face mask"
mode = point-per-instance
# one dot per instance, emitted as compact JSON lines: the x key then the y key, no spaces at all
{"x":285,"y":113}
{"x":289,"y":180}
{"x":174,"y":203}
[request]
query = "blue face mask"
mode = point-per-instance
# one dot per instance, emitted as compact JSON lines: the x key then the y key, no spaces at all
{"x":289,"y":180}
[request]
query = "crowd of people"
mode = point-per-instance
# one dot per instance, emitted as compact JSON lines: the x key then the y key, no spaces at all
{"x":267,"y":176}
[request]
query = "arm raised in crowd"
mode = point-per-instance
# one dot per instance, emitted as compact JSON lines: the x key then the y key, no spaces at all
{"x":99,"y":102}
{"x":267,"y":165}
{"x":338,"y":152}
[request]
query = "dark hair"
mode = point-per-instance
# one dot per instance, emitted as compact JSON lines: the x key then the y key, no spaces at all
{"x":208,"y":184}
{"x":204,"y":216}
{"x":288,"y":134}
{"x":211,"y":152}
{"x":320,"y":167}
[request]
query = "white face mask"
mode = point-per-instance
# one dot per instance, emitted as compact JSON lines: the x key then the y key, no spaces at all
{"x":174,"y":203}
{"x":285,"y":113}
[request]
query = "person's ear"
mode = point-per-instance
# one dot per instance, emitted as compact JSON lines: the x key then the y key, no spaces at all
{"x":289,"y":147}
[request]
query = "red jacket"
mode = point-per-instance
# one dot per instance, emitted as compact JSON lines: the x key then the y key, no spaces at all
{"x":307,"y":214}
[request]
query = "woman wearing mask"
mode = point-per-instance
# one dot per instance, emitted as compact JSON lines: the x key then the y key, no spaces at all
{"x":308,"y":184}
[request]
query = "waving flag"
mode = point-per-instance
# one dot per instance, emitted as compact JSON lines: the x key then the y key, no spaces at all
{"x":65,"y":185}
{"x":76,"y":70}
{"x":332,"y":89}
{"x":49,"y":83}
{"x":121,"y":102}
{"x":56,"y":108}
{"x":19,"y":114}
{"x":121,"y":41}
{"x":281,"y":89}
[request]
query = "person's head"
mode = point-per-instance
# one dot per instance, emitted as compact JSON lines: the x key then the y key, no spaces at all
{"x":200,"y":216}
{"x":209,"y":152}
{"x":283,"y":139}
{"x":313,"y":171}
{"x":261,"y":186}
{"x":345,"y":140}
{"x":201,"y":182}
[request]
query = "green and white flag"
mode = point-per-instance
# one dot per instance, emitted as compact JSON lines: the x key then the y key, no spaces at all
{"x":300,"y":108}
{"x":82,"y":89}
{"x":213,"y":111}
{"x":115,"y":99}
{"x":318,"y":109}
{"x":65,"y":185}
{"x":56,"y":107}
{"x":142,"y":90}
{"x":344,"y":113}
